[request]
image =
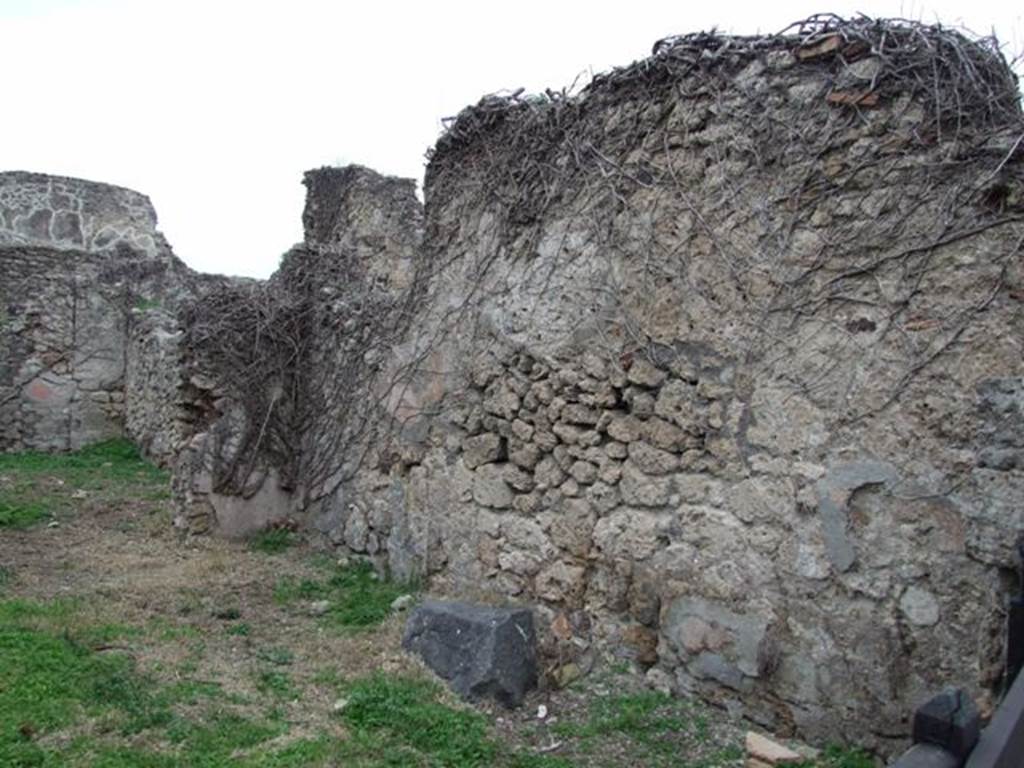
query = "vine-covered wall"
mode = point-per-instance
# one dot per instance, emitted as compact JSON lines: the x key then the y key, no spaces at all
{"x":716,"y":363}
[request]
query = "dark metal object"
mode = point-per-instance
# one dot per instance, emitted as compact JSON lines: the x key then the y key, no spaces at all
{"x":1015,"y":630}
{"x":927,"y":756}
{"x":1002,"y":742}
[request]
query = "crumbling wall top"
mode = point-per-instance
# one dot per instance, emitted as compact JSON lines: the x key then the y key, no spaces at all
{"x":336,"y":198}
{"x":67,"y":213}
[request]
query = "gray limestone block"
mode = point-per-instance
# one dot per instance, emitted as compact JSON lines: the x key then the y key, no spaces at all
{"x":490,"y":488}
{"x":479,"y":650}
{"x":833,"y":492}
{"x":482,"y":449}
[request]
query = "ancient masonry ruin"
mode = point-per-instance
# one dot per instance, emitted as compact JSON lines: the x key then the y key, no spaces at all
{"x":717,"y":364}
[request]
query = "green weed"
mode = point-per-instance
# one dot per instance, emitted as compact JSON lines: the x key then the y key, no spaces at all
{"x":275,"y":683}
{"x":272,"y":541}
{"x":15,"y":514}
{"x":143,"y":304}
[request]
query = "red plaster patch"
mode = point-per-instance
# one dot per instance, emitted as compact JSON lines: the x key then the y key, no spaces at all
{"x":38,"y":390}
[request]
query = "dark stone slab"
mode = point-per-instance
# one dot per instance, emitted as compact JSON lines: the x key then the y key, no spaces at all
{"x":479,"y":650}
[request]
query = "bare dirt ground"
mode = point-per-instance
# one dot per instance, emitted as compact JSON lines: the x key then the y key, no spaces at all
{"x":205,"y":611}
{"x":130,"y":567}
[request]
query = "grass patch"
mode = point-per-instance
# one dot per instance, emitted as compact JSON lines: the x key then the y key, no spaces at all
{"x":106,"y":634}
{"x":277,"y":656}
{"x":288,"y":590}
{"x":193,"y":692}
{"x":168,"y":631}
{"x":223,"y":732}
{"x":275,"y":683}
{"x":20,"y":612}
{"x":53,"y":679}
{"x":37,"y":486}
{"x":843,"y":757}
{"x":401,"y":721}
{"x":659,"y":730}
{"x":110,"y":461}
{"x":357,"y":597}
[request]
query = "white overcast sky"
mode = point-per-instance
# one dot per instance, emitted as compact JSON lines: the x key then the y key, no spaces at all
{"x":215,"y":108}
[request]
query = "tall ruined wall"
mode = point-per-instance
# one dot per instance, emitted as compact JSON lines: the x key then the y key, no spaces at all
{"x":291,"y":368}
{"x":720,"y":361}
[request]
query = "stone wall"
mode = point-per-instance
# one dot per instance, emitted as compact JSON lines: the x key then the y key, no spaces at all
{"x":710,"y":370}
{"x":156,"y":413}
{"x":63,"y":350}
{"x":83,"y":266}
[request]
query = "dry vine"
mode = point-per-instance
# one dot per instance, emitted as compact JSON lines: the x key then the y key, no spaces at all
{"x":913,"y":130}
